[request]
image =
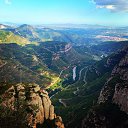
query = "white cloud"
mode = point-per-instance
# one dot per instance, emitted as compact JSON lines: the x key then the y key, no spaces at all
{"x":7,"y":2}
{"x":113,"y":5}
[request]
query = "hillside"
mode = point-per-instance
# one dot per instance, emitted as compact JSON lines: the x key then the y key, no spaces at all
{"x":111,"y":109}
{"x":79,"y":35}
{"x":19,"y":64}
{"x":58,"y":55}
{"x":76,"y":99}
{"x":39,"y":34}
{"x":44,"y":64}
{"x":9,"y":37}
{"x":30,"y":64}
{"x":73,"y":75}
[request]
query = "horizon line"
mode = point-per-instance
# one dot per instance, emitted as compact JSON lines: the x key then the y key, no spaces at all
{"x":91,"y":24}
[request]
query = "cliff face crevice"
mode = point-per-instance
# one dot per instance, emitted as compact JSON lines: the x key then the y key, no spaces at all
{"x":36,"y":104}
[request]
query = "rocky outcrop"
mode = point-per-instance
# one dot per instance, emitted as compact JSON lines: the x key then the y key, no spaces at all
{"x":37,"y":105}
{"x":112,"y":107}
{"x":116,"y":87}
{"x":121,"y":89}
{"x":120,"y":97}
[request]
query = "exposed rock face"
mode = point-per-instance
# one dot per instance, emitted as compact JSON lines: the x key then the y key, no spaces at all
{"x":119,"y":74}
{"x":113,"y":98}
{"x":38,"y":105}
{"x":58,"y":122}
{"x":121,"y":97}
{"x":116,"y":88}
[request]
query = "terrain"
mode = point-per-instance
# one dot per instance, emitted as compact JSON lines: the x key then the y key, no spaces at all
{"x":83,"y":68}
{"x":111,"y":108}
{"x":78,"y":98}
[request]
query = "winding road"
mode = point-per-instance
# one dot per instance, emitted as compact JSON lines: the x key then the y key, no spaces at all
{"x":85,"y":75}
{"x":3,"y":65}
{"x":81,"y":78}
{"x":81,"y":72}
{"x":62,"y":102}
{"x":84,"y":79}
{"x":77,"y":90}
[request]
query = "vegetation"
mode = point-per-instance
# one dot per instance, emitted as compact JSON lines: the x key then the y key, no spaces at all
{"x":50,"y":65}
{"x":9,"y":37}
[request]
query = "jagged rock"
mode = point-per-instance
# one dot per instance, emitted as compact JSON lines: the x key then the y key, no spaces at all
{"x":38,"y":104}
{"x":40,"y":115}
{"x":112,"y":107}
{"x":58,"y":122}
{"x":37,"y":88}
{"x":52,"y":115}
{"x":121,"y":97}
{"x":46,"y":107}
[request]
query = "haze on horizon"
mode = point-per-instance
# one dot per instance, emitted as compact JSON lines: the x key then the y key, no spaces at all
{"x":102,"y":12}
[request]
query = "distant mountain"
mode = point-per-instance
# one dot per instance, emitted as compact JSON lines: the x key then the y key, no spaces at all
{"x":75,"y":34}
{"x":27,"y":31}
{"x":39,"y":34}
{"x":2,"y":26}
{"x":69,"y":25}
{"x":11,"y":24}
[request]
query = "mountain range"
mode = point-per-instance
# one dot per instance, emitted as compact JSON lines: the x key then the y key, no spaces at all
{"x":85,"y":77}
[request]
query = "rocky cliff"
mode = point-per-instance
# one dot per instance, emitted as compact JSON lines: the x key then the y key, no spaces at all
{"x":37,"y":109}
{"x":121,"y":89}
{"x":115,"y":88}
{"x":112,"y":107}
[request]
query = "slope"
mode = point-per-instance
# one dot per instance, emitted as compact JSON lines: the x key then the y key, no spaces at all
{"x":9,"y":37}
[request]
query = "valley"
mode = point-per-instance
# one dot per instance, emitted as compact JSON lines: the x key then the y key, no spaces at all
{"x":71,"y":63}
{"x":63,"y":64}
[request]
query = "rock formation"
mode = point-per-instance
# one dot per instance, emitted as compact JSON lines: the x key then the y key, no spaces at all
{"x":116,"y":87}
{"x":37,"y":105}
{"x":111,"y":109}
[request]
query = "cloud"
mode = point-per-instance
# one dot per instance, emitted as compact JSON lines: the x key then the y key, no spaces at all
{"x":7,"y":2}
{"x":112,"y":5}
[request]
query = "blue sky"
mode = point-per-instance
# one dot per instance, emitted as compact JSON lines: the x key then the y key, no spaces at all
{"x":103,"y":12}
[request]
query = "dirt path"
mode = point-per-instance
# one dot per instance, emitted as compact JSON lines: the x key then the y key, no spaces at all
{"x":81,"y":72}
{"x":62,"y":102}
{"x":85,"y":77}
{"x":77,"y":90}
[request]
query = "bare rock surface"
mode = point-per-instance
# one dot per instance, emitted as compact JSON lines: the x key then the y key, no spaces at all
{"x":39,"y":108}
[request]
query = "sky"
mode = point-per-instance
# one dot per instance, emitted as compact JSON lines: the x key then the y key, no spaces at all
{"x":102,"y":12}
